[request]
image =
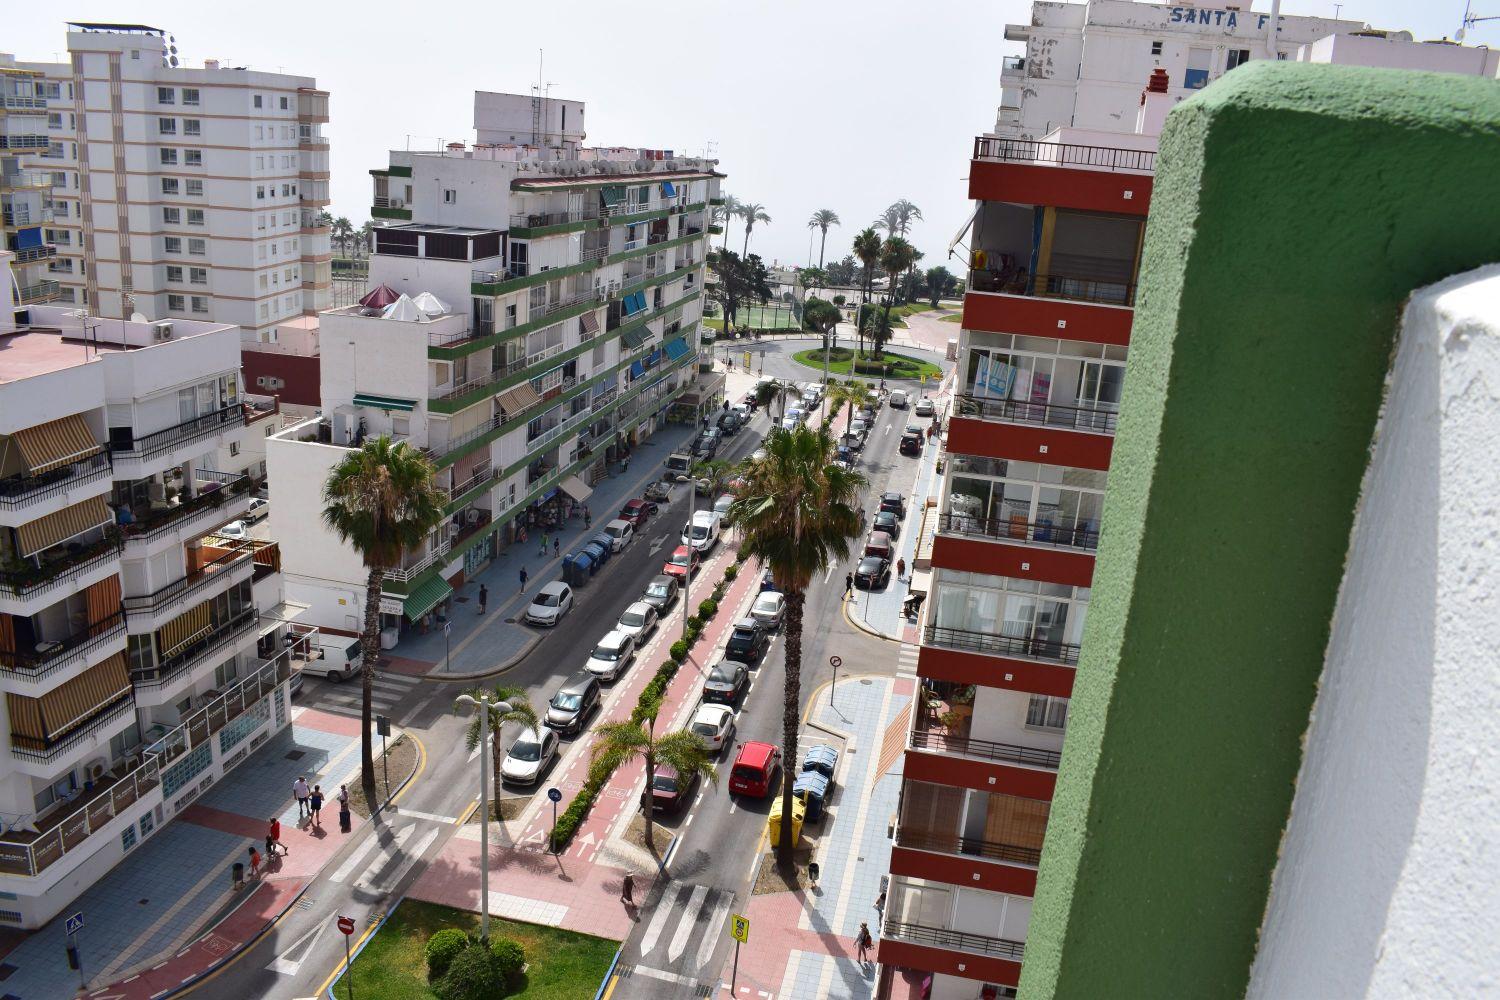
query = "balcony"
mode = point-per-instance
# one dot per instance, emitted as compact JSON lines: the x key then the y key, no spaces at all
{"x":167,"y":598}
{"x":418,"y":565}
{"x":220,"y":497}
{"x":210,"y":643}
{"x":21,"y":216}
{"x":38,"y":292}
{"x":8,"y":141}
{"x":1058,"y":154}
{"x":938,"y":937}
{"x":1034,"y":648}
{"x":20,"y":492}
{"x":1012,"y":411}
{"x":932,"y":734}
{"x":149,"y":446}
{"x":26,"y":255}
{"x":953,"y":843}
{"x":16,"y":102}
{"x":39,"y":842}
{"x":382,"y":201}
{"x":29,"y":748}
{"x":52,"y":655}
{"x":30,"y":581}
{"x":1088,"y":279}
{"x":1062,"y":533}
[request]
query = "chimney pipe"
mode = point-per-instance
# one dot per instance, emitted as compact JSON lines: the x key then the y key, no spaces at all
{"x":1156,"y":101}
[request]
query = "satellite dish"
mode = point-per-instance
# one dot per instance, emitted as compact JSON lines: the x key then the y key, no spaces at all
{"x":172,"y":49}
{"x":138,"y":317}
{"x":173,"y":61}
{"x":173,"y":40}
{"x":1458,"y":36}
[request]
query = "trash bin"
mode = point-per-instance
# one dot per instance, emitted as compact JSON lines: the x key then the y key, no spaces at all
{"x":238,"y":872}
{"x":811,"y":788}
{"x":822,"y":759}
{"x":574,"y":572}
{"x":773,"y":821}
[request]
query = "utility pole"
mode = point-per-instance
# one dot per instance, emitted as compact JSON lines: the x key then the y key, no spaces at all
{"x":485,"y":708}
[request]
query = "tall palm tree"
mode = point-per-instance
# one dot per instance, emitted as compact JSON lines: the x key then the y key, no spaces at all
{"x":752,"y":213}
{"x":343,"y":231}
{"x":769,"y":392}
{"x":896,"y":255}
{"x":621,"y":743}
{"x":889,"y":220}
{"x":850,"y":393}
{"x":366,"y":236}
{"x":520,"y":711}
{"x":723,"y":213}
{"x":796,"y":513}
{"x":906,"y":214}
{"x":822,"y":219}
{"x":867,"y":249}
{"x":381,"y":499}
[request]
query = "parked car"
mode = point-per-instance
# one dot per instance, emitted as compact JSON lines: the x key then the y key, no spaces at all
{"x":550,"y":604}
{"x":769,"y":608}
{"x":620,"y":533}
{"x":669,"y":791}
{"x":660,"y":592}
{"x":898,"y":399}
{"x":924,"y":408}
{"x":706,"y":446}
{"x":755,"y":769}
{"x":767,"y":581}
{"x":748,"y":641}
{"x":573,"y":703}
{"x":678,"y":464}
{"x":259,"y":509}
{"x":612,"y":655}
{"x":912,"y":444}
{"x":887,"y":522}
{"x":658,"y":492}
{"x":638,"y":620}
{"x":235,"y":531}
{"x":730,"y":422}
{"x":859,"y":428}
{"x":893,"y":502}
{"x":726,"y":679}
{"x":872,"y":573}
{"x":702,"y":532}
{"x":529,"y":757}
{"x":683,"y":560}
{"x":879,"y":544}
{"x":714,"y":725}
{"x":867,"y":414}
{"x":722,"y":505}
{"x":636,"y":513}
{"x":850,"y":445}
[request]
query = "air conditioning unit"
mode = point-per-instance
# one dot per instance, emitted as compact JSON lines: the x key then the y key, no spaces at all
{"x":96,"y":768}
{"x":161,"y":330}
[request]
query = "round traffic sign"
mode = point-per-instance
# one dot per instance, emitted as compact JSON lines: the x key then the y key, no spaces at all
{"x":554,"y":794}
{"x":346,"y":924}
{"x":835,"y":661}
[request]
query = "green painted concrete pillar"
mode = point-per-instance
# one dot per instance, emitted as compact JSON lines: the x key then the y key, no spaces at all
{"x":1295,"y":207}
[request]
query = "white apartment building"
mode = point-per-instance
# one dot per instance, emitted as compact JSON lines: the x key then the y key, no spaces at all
{"x":24,"y":194}
{"x":548,"y":314}
{"x":135,"y":660}
{"x":176,"y":191}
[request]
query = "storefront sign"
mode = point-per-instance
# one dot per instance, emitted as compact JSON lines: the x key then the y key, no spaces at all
{"x":391,"y":605}
{"x":1216,"y":18}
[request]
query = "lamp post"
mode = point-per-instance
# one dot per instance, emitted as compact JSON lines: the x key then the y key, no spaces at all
{"x":487,"y":709}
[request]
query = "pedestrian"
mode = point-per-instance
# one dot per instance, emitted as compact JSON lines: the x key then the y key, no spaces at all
{"x":880,"y":904}
{"x":627,"y":889}
{"x":588,"y":518}
{"x":315,"y":804}
{"x":543,"y":550}
{"x":848,"y":584}
{"x":254,"y":862}
{"x":901,"y":569}
{"x":556,"y":545}
{"x":301,"y":792}
{"x":345,"y":822}
{"x":273,"y":839}
{"x":484,"y":597}
{"x":864,"y":941}
{"x":523,"y":578}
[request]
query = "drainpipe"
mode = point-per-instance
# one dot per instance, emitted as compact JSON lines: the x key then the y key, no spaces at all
{"x":1273,"y":45}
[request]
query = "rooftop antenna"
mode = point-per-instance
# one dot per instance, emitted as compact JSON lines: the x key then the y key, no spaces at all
{"x":539,"y":92}
{"x":1471,"y":19}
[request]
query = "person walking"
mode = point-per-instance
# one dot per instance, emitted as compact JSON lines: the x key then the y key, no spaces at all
{"x":254,"y":862}
{"x":315,"y":805}
{"x":300,"y":791}
{"x":346,"y":823}
{"x":273,"y":839}
{"x":523,"y":578}
{"x":556,"y":545}
{"x":588,"y":518}
{"x":627,"y":889}
{"x":543,"y":550}
{"x":864,"y":941}
{"x":880,"y":905}
{"x":901,"y":569}
{"x":848,"y":584}
{"x":484,"y":597}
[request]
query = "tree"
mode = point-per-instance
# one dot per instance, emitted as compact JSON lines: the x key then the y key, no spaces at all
{"x":897,"y":219}
{"x":851,"y":393}
{"x":622,"y":743}
{"x":867,"y":249}
{"x":325,"y":219}
{"x":841,"y":272}
{"x":938,"y":281}
{"x":382,"y":500}
{"x":812,"y":277}
{"x":875,"y":326}
{"x":752,"y":213}
{"x":366,"y":237}
{"x":520,"y":711}
{"x":896,"y":255}
{"x":716,"y":472}
{"x":796,"y":513}
{"x":739,"y":279}
{"x":723,"y":213}
{"x":889,"y":220}
{"x":821,"y":317}
{"x":768,"y":392}
{"x":822,"y":219}
{"x":343,"y":232}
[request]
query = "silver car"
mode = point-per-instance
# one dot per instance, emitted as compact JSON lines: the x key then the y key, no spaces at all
{"x":638,"y":620}
{"x":528,"y":757}
{"x":769,"y":608}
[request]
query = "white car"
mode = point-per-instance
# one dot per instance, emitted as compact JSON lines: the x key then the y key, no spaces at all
{"x":620,"y":533}
{"x":550,"y":604}
{"x":612,"y":655}
{"x":924,"y":408}
{"x":769,"y":608}
{"x":527,"y":759}
{"x":722,"y":505}
{"x":859,"y":428}
{"x":789,"y":423}
{"x":259,"y":510}
{"x":758,"y":455}
{"x":714,"y":725}
{"x":235,"y":531}
{"x":702,"y":532}
{"x":638,"y":620}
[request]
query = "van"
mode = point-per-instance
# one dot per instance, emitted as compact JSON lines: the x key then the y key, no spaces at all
{"x":702,"y":531}
{"x":879,"y":544}
{"x":898,"y":399}
{"x":754,"y":770}
{"x":678,"y":465}
{"x":620,"y":533}
{"x":340,"y":655}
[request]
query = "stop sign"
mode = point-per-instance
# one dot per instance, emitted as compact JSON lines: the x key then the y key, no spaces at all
{"x":346,"y":924}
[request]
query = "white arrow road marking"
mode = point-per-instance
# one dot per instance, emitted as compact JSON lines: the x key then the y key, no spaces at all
{"x":658,"y":922}
{"x":711,"y":936}
{"x":347,"y":868}
{"x":473,"y":753}
{"x":656,"y":545}
{"x":685,"y":926}
{"x":373,"y":868}
{"x":287,"y":966}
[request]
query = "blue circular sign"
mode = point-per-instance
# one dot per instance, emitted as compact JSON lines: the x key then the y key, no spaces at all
{"x":554,"y":794}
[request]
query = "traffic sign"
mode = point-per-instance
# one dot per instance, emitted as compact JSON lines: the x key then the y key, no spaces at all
{"x":383,"y":725}
{"x":346,"y":924}
{"x":554,"y":794}
{"x":835,"y":661}
{"x":739,"y":928}
{"x":75,"y":923}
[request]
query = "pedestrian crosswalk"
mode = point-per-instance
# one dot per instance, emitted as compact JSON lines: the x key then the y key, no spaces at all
{"x":672,"y":952}
{"x":383,"y":858}
{"x":906,"y":661}
{"x":387,"y":690}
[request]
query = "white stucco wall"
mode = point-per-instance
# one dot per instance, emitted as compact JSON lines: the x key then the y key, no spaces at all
{"x":1388,"y":884}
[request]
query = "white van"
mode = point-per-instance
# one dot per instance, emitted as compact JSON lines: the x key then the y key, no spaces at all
{"x":702,"y":532}
{"x":898,"y":399}
{"x":340,"y":657}
{"x":620,"y":533}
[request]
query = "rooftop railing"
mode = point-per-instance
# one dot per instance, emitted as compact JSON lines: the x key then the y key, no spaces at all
{"x":188,"y":585}
{"x":1063,"y":154}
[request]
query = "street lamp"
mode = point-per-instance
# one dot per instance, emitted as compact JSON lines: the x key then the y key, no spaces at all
{"x":487,"y":710}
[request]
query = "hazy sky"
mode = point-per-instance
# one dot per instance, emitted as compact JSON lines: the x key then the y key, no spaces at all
{"x":808,"y":105}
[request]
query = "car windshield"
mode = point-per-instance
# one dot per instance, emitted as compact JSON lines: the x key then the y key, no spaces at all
{"x":678,"y":559}
{"x":660,"y":589}
{"x":705,"y":729}
{"x":567,"y":701}
{"x":722,"y":674}
{"x":633,"y":619}
{"x":603,"y":652}
{"x":664,"y":783}
{"x":742,"y":635}
{"x":700,"y":531}
{"x":869,"y":565}
{"x":526,"y":748}
{"x":746,"y":773}
{"x":765,"y":604}
{"x":547,"y":600}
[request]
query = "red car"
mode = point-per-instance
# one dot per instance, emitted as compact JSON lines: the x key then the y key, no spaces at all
{"x":755,"y":769}
{"x":636,"y":512}
{"x":683,"y":559}
{"x":669,"y":792}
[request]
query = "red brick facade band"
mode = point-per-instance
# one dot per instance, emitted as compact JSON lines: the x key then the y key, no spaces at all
{"x":1060,"y":187}
{"x":1013,"y":558}
{"x":1011,"y":674}
{"x":904,"y":955}
{"x":948,"y":768}
{"x":969,"y":872}
{"x":1026,"y":443}
{"x":1039,"y":317}
{"x":300,"y":374}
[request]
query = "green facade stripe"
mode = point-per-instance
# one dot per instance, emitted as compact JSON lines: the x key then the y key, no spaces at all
{"x":614,"y":180}
{"x":398,"y":171}
{"x":537,"y":232}
{"x":517,"y":284}
{"x":390,"y":213}
{"x":1295,"y":208}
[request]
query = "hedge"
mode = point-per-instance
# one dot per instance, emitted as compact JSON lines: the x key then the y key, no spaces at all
{"x":731,"y":571}
{"x":442,"y":948}
{"x":708,"y":608}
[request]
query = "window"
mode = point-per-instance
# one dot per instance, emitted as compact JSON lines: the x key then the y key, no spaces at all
{"x":192,"y":126}
{"x":264,"y":281}
{"x":1045,"y":712}
{"x":148,"y":823}
{"x":171,"y":216}
{"x":176,"y":303}
{"x":258,"y":101}
{"x":190,"y":96}
{"x":195,"y":187}
{"x":260,"y":163}
{"x":284,"y":104}
{"x":166,"y":126}
{"x":169,"y":157}
{"x":198,"y":275}
{"x":170,"y":185}
{"x":174,"y":244}
{"x":1237,"y":57}
{"x":127,"y":838}
{"x":1196,"y":77}
{"x":166,"y":95}
{"x":260,"y":132}
{"x":200,"y":303}
{"x":193,"y":157}
{"x":1156,"y":48}
{"x":197,"y":247}
{"x":450,"y":196}
{"x":174,"y":272}
{"x":54,"y":119}
{"x":260,"y":192}
{"x":195,"y":216}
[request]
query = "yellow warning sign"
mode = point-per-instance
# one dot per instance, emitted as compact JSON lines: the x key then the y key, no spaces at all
{"x":739,"y":928}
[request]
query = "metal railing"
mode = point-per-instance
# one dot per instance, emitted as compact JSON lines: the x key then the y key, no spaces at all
{"x":1073,"y":418}
{"x":411,"y":572}
{"x":34,"y":664}
{"x":480,"y":276}
{"x":480,"y":474}
{"x":1065,"y":653}
{"x":387,"y":202}
{"x":211,"y":640}
{"x":188,"y":585}
{"x":31,"y":581}
{"x":43,"y":750}
{"x":16,"y":102}
{"x":953,"y":843}
{"x":1063,"y":534}
{"x":155,"y":443}
{"x":540,"y":220}
{"x":978,"y":944}
{"x":38,"y":291}
{"x":1063,"y":154}
{"x":23,"y":491}
{"x":926,"y":737}
{"x":26,"y":255}
{"x":157,"y":523}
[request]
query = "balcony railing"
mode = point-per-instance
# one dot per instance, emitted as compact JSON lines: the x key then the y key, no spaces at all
{"x":25,"y":255}
{"x":186,"y":432}
{"x":938,"y":937}
{"x":1063,"y":154}
{"x":929,"y":735}
{"x":953,"y":843}
{"x":189,"y":585}
{"x":23,"y":491}
{"x":1063,"y":533}
{"x":38,"y":291}
{"x":153,"y":524}
{"x":211,"y":640}
{"x":42,"y":750}
{"x":1014,"y":411}
{"x":1002,"y":645}
{"x":385,"y":202}
{"x":51,"y":655}
{"x":30,"y":581}
{"x":415,"y":569}
{"x":15,"y":102}
{"x":540,"y":220}
{"x":494,"y":277}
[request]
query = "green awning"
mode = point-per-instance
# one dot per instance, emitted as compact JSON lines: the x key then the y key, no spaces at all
{"x":612,"y":195}
{"x":384,"y":402}
{"x":426,"y":597}
{"x":634,"y":336}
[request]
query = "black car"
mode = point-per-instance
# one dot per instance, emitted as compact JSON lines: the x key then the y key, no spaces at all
{"x":887,"y":522}
{"x":873,"y":573}
{"x":661,"y":592}
{"x":893,"y":502}
{"x":911,"y":444}
{"x":726,"y":679}
{"x":573,"y":703}
{"x":748,"y":641}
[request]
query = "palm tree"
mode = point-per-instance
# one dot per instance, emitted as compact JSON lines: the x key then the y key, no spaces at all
{"x":906,"y":214}
{"x":520,"y":711}
{"x":822,"y":219}
{"x":343,"y":231}
{"x":752,"y":213}
{"x":366,"y":236}
{"x":715,"y":471}
{"x":381,"y":499}
{"x":723,"y":213}
{"x":889,"y":220}
{"x":896,"y":255}
{"x":796,"y":513}
{"x":850,"y":393}
{"x":867,"y":249}
{"x":768,"y":392}
{"x":621,"y":743}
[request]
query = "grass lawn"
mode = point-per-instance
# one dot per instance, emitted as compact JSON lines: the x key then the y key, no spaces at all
{"x":957,"y":317}
{"x":562,"y":965}
{"x":714,"y":324}
{"x":902,"y":366}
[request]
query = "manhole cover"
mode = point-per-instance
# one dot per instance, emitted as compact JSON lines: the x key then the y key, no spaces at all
{"x":866,"y":680}
{"x":295,"y":754}
{"x":510,"y":621}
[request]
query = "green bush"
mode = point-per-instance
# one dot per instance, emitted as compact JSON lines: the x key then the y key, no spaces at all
{"x":694,"y":630}
{"x":472,"y":976}
{"x":731,"y":571}
{"x":707,"y":609}
{"x":442,"y":948}
{"x":509,"y":958}
{"x":678,"y":651}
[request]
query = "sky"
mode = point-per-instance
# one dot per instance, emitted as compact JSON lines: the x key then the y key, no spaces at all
{"x":807,"y":105}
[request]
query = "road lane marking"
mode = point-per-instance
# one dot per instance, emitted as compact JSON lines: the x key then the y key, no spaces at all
{"x":347,"y":868}
{"x":711,"y":936}
{"x":658,"y":921}
{"x":666,"y":977}
{"x":685,"y":925}
{"x":415,"y":814}
{"x":285,"y":966}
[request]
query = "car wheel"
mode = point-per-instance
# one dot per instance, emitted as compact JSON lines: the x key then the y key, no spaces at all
{"x":334,"y":677}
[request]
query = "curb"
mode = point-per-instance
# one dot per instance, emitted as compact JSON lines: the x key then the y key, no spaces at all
{"x":609,"y":976}
{"x":445,"y":678}
{"x":866,"y":628}
{"x":358,"y":950}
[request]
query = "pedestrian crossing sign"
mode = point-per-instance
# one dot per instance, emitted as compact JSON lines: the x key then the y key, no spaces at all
{"x":739,"y":928}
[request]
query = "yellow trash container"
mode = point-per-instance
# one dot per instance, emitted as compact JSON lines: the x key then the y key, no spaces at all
{"x":773,"y":821}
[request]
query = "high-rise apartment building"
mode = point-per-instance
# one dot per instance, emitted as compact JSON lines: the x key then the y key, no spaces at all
{"x":171,"y":191}
{"x":135,"y":660}
{"x":535,"y":312}
{"x":25,"y":193}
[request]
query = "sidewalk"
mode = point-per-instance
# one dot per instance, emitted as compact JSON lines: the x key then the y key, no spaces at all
{"x":802,"y":943}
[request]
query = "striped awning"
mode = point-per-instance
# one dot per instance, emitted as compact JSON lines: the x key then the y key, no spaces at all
{"x":590,"y":322}
{"x":183,"y":629}
{"x":384,"y":402}
{"x":56,"y":443}
{"x":637,"y":369}
{"x":518,"y":399}
{"x":45,"y":532}
{"x":65,"y":706}
{"x":426,"y":597}
{"x":634,"y":337}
